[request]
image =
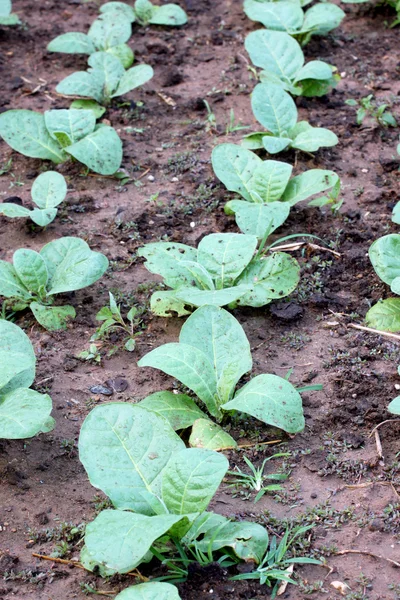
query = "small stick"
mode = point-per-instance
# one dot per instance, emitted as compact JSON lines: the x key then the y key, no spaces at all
{"x":366,"y":553}
{"x":143,"y":174}
{"x":368,"y":484}
{"x":377,"y":331}
{"x":383,"y":422}
{"x":298,"y":245}
{"x":62,"y":561}
{"x":378,"y":444}
{"x":259,"y":444}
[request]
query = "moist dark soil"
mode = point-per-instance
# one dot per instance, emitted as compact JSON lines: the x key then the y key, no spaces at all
{"x":339,"y":481}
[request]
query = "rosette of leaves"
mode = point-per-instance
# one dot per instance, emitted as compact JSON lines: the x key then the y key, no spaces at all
{"x":276,"y":111}
{"x":6,"y":16}
{"x":146,"y":13}
{"x":212,"y":354}
{"x":61,"y":134}
{"x":224,"y":269}
{"x":105,"y":79}
{"x":35,"y":278}
{"x":48,"y":191}
{"x":267,"y":190}
{"x":282,"y":60}
{"x":384,"y":255}
{"x":108,"y":33}
{"x":289,"y":16}
{"x":23,"y":412}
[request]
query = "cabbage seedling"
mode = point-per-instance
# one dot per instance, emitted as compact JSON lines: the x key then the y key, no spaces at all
{"x":146,"y":13}
{"x":282,"y":60}
{"x":108,"y":33}
{"x":276,"y":111}
{"x":48,"y":191}
{"x":105,"y":79}
{"x":23,"y":412}
{"x":6,"y":16}
{"x":224,"y":269}
{"x":61,"y":134}
{"x":34,"y":278}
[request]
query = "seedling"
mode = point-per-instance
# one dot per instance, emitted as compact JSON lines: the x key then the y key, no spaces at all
{"x":232,"y":126}
{"x":276,"y":111}
{"x":146,"y":13}
{"x":6,"y":16}
{"x":282,"y":60}
{"x":113,"y":321}
{"x":34,"y":278}
{"x":23,"y":412}
{"x":60,"y":135}
{"x":255,"y":479}
{"x":91,"y":355}
{"x":48,"y":191}
{"x":224,"y":270}
{"x":288,"y":16}
{"x":368,"y":107}
{"x":105,"y":79}
{"x":108,"y":33}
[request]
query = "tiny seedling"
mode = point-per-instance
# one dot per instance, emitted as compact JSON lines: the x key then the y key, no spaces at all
{"x":34,"y":278}
{"x":93,"y":354}
{"x":48,"y":191}
{"x":255,"y":480}
{"x":6,"y":16}
{"x":105,"y":79}
{"x":232,"y":126}
{"x":276,"y":111}
{"x":368,"y":107}
{"x":62,"y":134}
{"x":282,"y":60}
{"x":23,"y":412}
{"x":113,"y":321}
{"x":146,"y":13}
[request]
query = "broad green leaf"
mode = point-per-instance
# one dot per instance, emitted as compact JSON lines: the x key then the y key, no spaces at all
{"x":144,"y":10}
{"x":197,"y":297}
{"x":123,"y":53}
{"x":274,"y":108}
{"x":166,"y":258}
{"x":24,"y":413}
{"x":315,"y":138}
{"x":179,"y":410}
{"x":12,"y":19}
{"x":395,"y":286}
{"x":18,"y":357}
{"x":190,"y":366}
{"x":249,"y":541}
{"x":270,"y":77}
{"x":275,"y":51}
{"x":150,"y":591}
{"x":101,"y":151}
{"x":253,"y":141}
{"x":225,"y":256}
{"x":272,"y":277}
{"x":76,"y":124}
{"x":317,"y":87}
{"x":234,"y":166}
{"x":309,"y":183}
{"x":25,"y":131}
{"x":31,"y":269}
{"x":52,"y":318}
{"x":396,"y":214}
{"x":165,"y":304}
{"x":207,"y":521}
{"x":124,"y":449}
{"x":72,"y":43}
{"x":256,"y":219}
{"x":270,"y":399}
{"x":384,"y":255}
{"x":43,"y":216}
{"x":110,"y":29}
{"x":385,"y":315}
{"x":322,"y":18}
{"x":119,"y":540}
{"x":126,"y":10}
{"x":84,"y":83}
{"x":270,"y":180}
{"x":133,"y":78}
{"x":274,"y":145}
{"x":201,"y":277}
{"x":219,"y":336}
{"x":281,"y":16}
{"x":9,"y":209}
{"x":5,"y":8}
{"x":49,"y":189}
{"x":169,"y":14}
{"x":191,"y":478}
{"x":206,"y":434}
{"x":394,"y":406}
{"x":10,"y":284}
{"x":111,"y":69}
{"x":92,"y":105}
{"x":315,"y":69}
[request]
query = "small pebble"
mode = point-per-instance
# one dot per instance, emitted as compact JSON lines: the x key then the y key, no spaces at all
{"x":151,"y":178}
{"x":192,"y":224}
{"x":174,"y":179}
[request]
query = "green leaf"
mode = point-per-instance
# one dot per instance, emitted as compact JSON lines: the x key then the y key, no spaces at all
{"x":253,"y":141}
{"x":110,"y":29}
{"x":274,"y":145}
{"x":92,"y":105}
{"x":269,"y":181}
{"x":25,"y":131}
{"x":12,"y":19}
{"x":5,"y":8}
{"x":124,"y":449}
{"x":197,"y":297}
{"x":275,"y":51}
{"x":76,"y":124}
{"x":169,"y":14}
{"x":130,"y":345}
{"x":123,"y":53}
{"x":149,"y":591}
{"x":120,"y":540}
{"x":111,"y":70}
{"x":11,"y":210}
{"x":101,"y":151}
{"x":207,"y":521}
{"x":24,"y":413}
{"x":10,"y":284}
{"x":384,"y":255}
{"x":72,"y":43}
{"x":249,"y":541}
{"x":168,"y":260}
{"x":126,"y":11}
{"x":394,"y":406}
{"x":385,"y":315}
{"x":84,"y":83}
{"x":274,"y":108}
{"x":315,"y":69}
{"x":206,"y":434}
{"x":49,"y":189}
{"x":18,"y":358}
{"x":309,"y":183}
{"x":43,"y":217}
{"x":31,"y":269}
{"x":226,"y":255}
{"x":281,"y":16}
{"x":133,"y":78}
{"x":234,"y":166}
{"x":52,"y":318}
{"x":144,"y":10}
{"x":270,"y":399}
{"x":315,"y":138}
{"x":256,"y":219}
{"x":322,"y":18}
{"x":179,"y":410}
{"x":165,"y":304}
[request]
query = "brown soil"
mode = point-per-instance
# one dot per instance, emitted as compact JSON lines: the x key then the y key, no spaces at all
{"x":337,"y":481}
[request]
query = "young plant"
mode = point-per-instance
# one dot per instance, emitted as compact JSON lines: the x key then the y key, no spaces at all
{"x":276,"y":111}
{"x":288,"y":16}
{"x":23,"y":412}
{"x":255,"y":480}
{"x":368,"y":107}
{"x":108,"y":33}
{"x":113,"y":321}
{"x":146,"y":13}
{"x":62,"y":134}
{"x":34,"y":278}
{"x":282,"y":60}
{"x":223,"y":270}
{"x":266,"y":187}
{"x":6,"y":16}
{"x":48,"y":191}
{"x":213,"y":353}
{"x":105,"y":79}
{"x":384,"y":255}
